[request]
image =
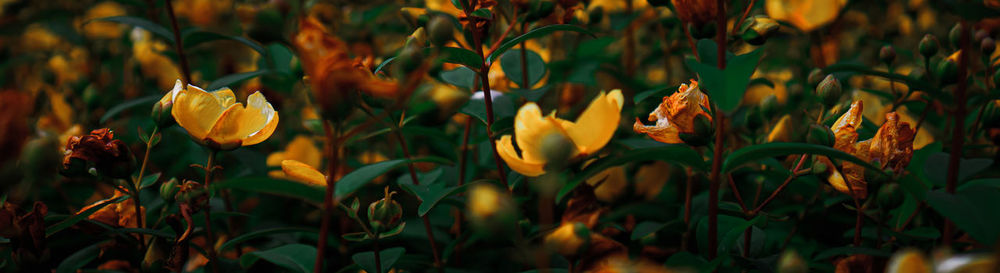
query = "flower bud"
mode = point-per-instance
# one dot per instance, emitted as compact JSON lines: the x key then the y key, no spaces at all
{"x":417,"y":38}
{"x":819,"y":167}
{"x":161,"y":115}
{"x":815,"y":77}
{"x":769,"y":106}
{"x":540,"y":10}
{"x":441,"y":30}
{"x":703,"y":132}
{"x":988,"y":46}
{"x":556,"y":149}
{"x":947,"y":71}
{"x":820,"y":135}
{"x":410,"y":58}
{"x":490,"y":209}
{"x":758,"y":29}
{"x":169,"y":189}
{"x":889,"y":195}
{"x":954,"y":35}
{"x":791,"y":262}
{"x":928,"y":46}
{"x":385,"y":214}
{"x":569,"y":239}
{"x":979,"y":35}
{"x":887,"y":54}
{"x":829,"y":90}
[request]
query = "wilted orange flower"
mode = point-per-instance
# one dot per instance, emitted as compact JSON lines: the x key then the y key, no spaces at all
{"x":676,"y":114}
{"x":891,"y":148}
{"x":892,"y":145}
{"x":695,"y":11}
{"x":845,"y":135}
{"x":121,"y":214}
{"x":99,"y":149}
{"x":333,"y":75}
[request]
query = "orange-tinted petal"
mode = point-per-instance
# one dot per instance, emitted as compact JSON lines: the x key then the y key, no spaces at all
{"x":597,"y":124}
{"x":259,"y":113}
{"x":301,"y":172}
{"x":529,"y":127}
{"x":525,"y":167}
{"x":196,"y":111}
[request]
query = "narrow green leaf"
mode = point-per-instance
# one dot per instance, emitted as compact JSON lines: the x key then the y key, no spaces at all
{"x":433,"y":196}
{"x":149,"y":180}
{"x":754,"y":152}
{"x":79,"y":259}
{"x":388,"y":257}
{"x":128,"y":104}
{"x":534,"y":33}
{"x":503,"y":106}
{"x":68,"y":222}
{"x":361,"y":176}
{"x":142,"y":23}
{"x":261,"y":233}
{"x":972,"y":209}
{"x":677,"y":154}
{"x":729,"y":240}
{"x":198,"y":37}
{"x":228,"y":80}
{"x":460,"y":56}
{"x":274,"y":186}
{"x":295,"y":257}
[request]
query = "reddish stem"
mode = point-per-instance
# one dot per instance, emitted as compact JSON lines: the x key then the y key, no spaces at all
{"x":958,"y":131}
{"x":333,"y":155}
{"x":713,"y":186}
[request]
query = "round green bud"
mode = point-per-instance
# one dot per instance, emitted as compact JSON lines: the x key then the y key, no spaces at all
{"x":818,"y":167}
{"x":820,"y":135}
{"x":955,"y":34}
{"x":947,"y":71}
{"x":890,"y":195}
{"x":556,"y":148}
{"x":887,"y":54}
{"x":169,"y":189}
{"x":385,"y":214}
{"x":928,"y":46}
{"x":410,"y":58}
{"x":829,"y":90}
{"x":815,"y":77}
{"x":441,"y":30}
{"x":791,"y":262}
{"x":758,"y":29}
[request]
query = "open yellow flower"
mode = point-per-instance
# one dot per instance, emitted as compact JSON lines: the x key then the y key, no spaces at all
{"x":591,"y":131}
{"x":805,"y":15}
{"x":216,"y":120}
{"x":676,"y":114}
{"x":301,"y":149}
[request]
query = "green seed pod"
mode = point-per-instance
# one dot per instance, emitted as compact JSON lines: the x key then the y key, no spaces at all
{"x":169,"y":189}
{"x":385,"y":214}
{"x":947,"y":71}
{"x":829,"y":90}
{"x":820,"y":135}
{"x":556,"y":149}
{"x":791,"y":262}
{"x":441,"y":30}
{"x":410,"y":58}
{"x":928,"y":46}
{"x":887,"y":54}
{"x":954,"y":35}
{"x":890,"y":195}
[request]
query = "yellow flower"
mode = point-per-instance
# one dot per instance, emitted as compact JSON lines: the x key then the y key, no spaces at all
{"x":610,"y":183}
{"x":102,"y":29}
{"x":805,"y":15}
{"x":567,"y":240}
{"x":676,"y":114}
{"x":302,"y":172}
{"x":591,"y":131}
{"x":782,"y":132}
{"x":71,"y":69}
{"x":202,"y":12}
{"x":216,"y":120}
{"x":152,"y":62}
{"x":486,"y":201}
{"x":301,"y":149}
{"x":38,"y":37}
{"x":908,"y":261}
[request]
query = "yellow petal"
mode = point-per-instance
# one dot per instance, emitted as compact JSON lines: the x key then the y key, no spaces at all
{"x":169,"y":97}
{"x":515,"y":162}
{"x":782,"y":132}
{"x":908,"y":261}
{"x":847,"y":125}
{"x":301,"y":172}
{"x":260,"y":113}
{"x":611,"y":183}
{"x":226,"y":132}
{"x":274,"y":159}
{"x":529,"y":127}
{"x":304,"y":150}
{"x":224,"y":95}
{"x":196,"y":111}
{"x":805,"y":15}
{"x":595,"y":126}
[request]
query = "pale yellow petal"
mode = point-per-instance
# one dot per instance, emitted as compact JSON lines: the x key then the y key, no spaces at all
{"x":263,"y":134}
{"x":196,"y":111}
{"x":597,"y":124}
{"x":516,"y":163}
{"x":258,"y":113}
{"x":301,"y":172}
{"x":529,"y":127}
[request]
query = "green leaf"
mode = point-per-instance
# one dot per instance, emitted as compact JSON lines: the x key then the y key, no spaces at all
{"x":461,"y":77}
{"x":729,"y":240}
{"x":431,"y":195}
{"x":128,"y":104}
{"x":936,"y":167}
{"x":274,"y":186}
{"x":510,"y":62}
{"x":972,"y":209}
{"x":677,"y":154}
{"x":388,"y":257}
{"x":261,"y":233}
{"x":726,"y":87}
{"x":229,"y":80}
{"x":72,"y":220}
{"x":755,"y":152}
{"x":361,"y":176}
{"x":460,"y":56}
{"x":197,"y":37}
{"x":79,"y":259}
{"x":503,"y":106}
{"x":483,"y":13}
{"x":534,"y":33}
{"x":149,"y":180}
{"x":142,"y":23}
{"x":295,"y":257}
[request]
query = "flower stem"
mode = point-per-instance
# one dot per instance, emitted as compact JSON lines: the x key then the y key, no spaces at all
{"x":720,"y":128}
{"x":416,"y":181}
{"x":212,"y":256}
{"x":484,"y":71}
{"x":332,"y":152}
{"x":378,"y":256}
{"x":178,"y":43}
{"x":138,"y":188}
{"x":958,"y":131}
